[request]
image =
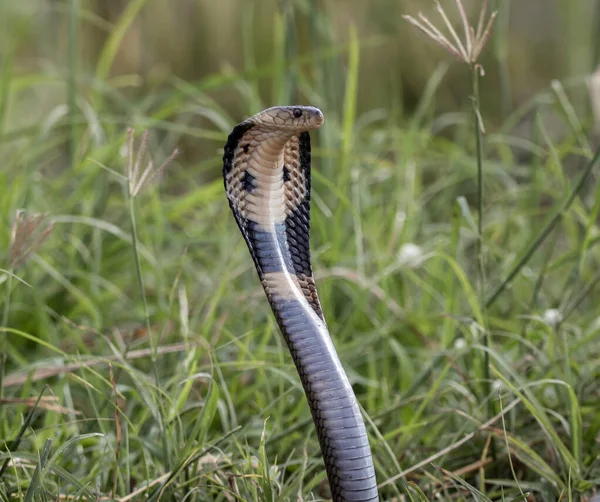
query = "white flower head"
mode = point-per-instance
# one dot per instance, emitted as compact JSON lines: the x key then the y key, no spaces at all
{"x":460,"y":344}
{"x":410,"y":254}
{"x":552,"y":317}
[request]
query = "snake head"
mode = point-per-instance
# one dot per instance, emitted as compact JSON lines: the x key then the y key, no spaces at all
{"x":294,"y":119}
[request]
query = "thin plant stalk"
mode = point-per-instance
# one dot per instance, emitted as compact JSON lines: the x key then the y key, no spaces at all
{"x":140,"y":280}
{"x":478,"y":126}
{"x":479,"y":157}
{"x":468,"y":51}
{"x":72,"y":82}
{"x":136,"y":182}
{"x":3,"y":335}
{"x":6,"y":309}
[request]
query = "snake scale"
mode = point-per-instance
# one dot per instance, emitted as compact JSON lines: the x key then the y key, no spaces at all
{"x":266,"y":170}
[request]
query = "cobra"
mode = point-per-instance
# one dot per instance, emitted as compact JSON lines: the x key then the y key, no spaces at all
{"x":266,"y":169}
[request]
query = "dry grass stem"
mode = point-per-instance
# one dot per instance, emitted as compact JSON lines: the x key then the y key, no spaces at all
{"x":20,"y":377}
{"x":117,"y":426}
{"x":485,"y":426}
{"x":136,"y":181}
{"x":47,"y":403}
{"x":27,"y":235}
{"x":468,"y":50}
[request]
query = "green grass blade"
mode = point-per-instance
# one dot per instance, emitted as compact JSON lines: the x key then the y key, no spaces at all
{"x":546,"y":230}
{"x":114,"y":41}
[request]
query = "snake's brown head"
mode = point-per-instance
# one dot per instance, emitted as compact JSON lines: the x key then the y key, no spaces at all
{"x":293,"y":119}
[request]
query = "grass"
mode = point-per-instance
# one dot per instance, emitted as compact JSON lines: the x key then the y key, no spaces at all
{"x":143,"y":362}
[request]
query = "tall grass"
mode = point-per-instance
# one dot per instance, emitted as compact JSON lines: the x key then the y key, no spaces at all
{"x":143,"y":361}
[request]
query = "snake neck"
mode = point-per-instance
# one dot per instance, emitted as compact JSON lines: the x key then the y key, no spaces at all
{"x":265,"y":207}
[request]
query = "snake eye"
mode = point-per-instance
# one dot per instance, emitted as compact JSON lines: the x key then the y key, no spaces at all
{"x":297,"y":112}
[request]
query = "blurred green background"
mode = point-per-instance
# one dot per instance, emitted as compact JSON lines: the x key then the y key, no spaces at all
{"x":206,"y":43}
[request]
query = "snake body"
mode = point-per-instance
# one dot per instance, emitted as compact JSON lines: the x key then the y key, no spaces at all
{"x":266,"y":170}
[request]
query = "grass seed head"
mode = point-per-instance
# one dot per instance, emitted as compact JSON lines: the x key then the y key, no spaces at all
{"x":26,"y":236}
{"x":137,"y":181}
{"x":467,"y":50}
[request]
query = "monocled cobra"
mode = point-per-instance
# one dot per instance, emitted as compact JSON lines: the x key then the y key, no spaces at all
{"x":266,"y":168}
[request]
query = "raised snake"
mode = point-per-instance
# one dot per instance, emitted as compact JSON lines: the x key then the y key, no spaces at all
{"x":266,"y":170}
